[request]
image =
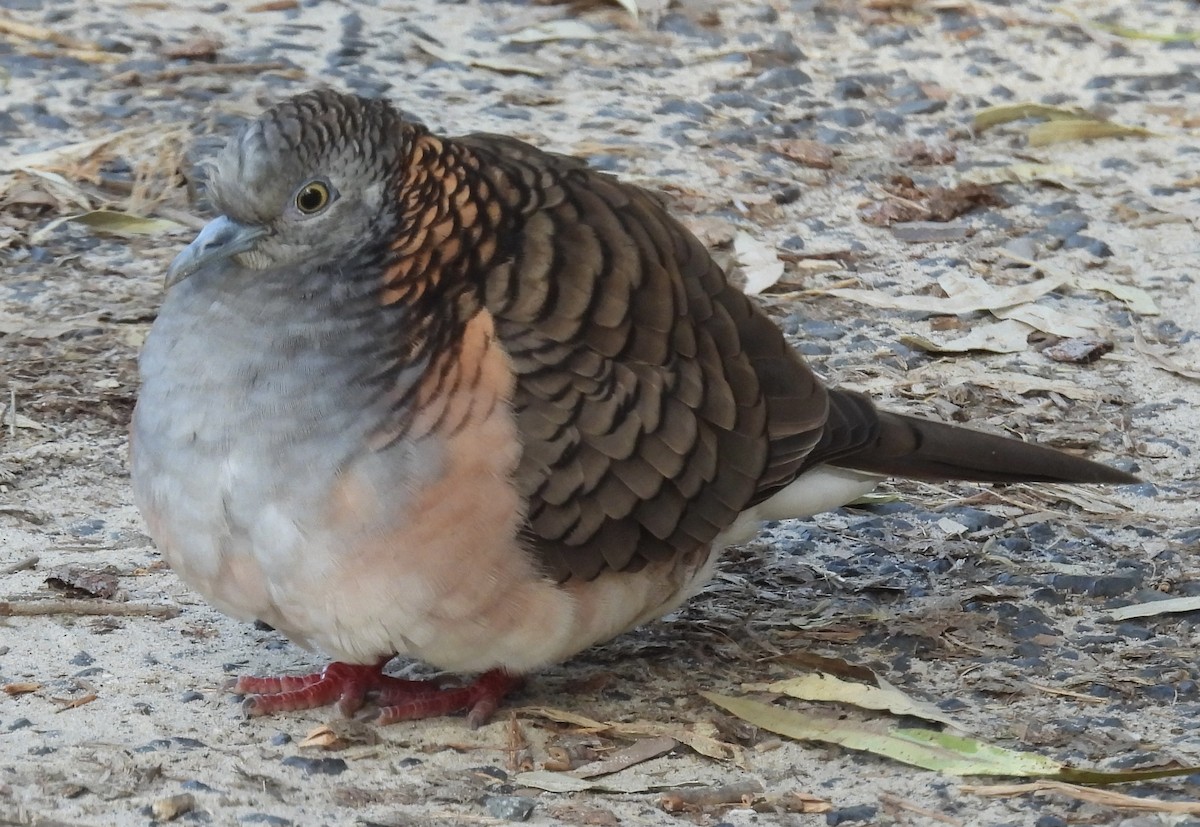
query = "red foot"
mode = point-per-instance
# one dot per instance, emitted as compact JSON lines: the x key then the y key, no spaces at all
{"x":424,"y":699}
{"x":348,"y":685}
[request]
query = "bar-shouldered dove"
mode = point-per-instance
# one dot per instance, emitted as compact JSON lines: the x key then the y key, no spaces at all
{"x":470,"y":402}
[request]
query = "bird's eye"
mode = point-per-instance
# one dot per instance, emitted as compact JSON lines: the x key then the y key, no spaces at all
{"x":312,"y":198}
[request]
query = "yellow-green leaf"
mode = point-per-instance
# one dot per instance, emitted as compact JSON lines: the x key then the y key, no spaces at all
{"x":821,"y":687}
{"x":944,"y":752}
{"x":957,"y":755}
{"x":996,"y":115}
{"x":109,"y":221}
{"x":1057,"y":132}
{"x":1139,"y":34}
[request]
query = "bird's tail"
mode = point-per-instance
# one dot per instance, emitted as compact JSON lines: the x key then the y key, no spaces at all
{"x":907,"y":446}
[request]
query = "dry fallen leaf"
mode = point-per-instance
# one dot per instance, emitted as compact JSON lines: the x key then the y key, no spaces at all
{"x":698,"y":800}
{"x":202,"y":47}
{"x":638,"y":752}
{"x":809,"y":153}
{"x":971,"y":294}
{"x":759,"y":263}
{"x":925,"y":153}
{"x":1153,"y":608}
{"x":1056,"y":174}
{"x":74,"y":703}
{"x":552,"y":30}
{"x":946,"y":375}
{"x":998,"y":337}
{"x":884,"y":696}
{"x":78,"y":581}
{"x":1161,"y":360}
{"x":274,"y":5}
{"x":943,"y":752}
{"x":1105,"y":798}
{"x":493,"y":63}
{"x":1079,"y":351}
{"x":904,"y":201}
{"x":560,"y":782}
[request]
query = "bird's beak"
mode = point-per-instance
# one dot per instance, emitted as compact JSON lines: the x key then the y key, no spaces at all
{"x":220,"y":239}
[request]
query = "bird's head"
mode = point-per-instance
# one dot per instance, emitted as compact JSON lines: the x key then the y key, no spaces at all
{"x":305,"y":181}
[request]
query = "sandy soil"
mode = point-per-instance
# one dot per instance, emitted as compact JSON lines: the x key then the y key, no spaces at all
{"x":108,"y":714}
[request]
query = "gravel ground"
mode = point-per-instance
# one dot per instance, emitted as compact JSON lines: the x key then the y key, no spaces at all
{"x":789,"y":122}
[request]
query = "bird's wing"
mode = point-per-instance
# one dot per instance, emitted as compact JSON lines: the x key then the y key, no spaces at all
{"x":655,"y":400}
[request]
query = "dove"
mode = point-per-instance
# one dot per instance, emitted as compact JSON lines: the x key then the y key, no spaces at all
{"x":467,"y":402}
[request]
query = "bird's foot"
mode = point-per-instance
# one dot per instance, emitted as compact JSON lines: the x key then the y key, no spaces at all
{"x":424,"y":699}
{"x":347,"y":685}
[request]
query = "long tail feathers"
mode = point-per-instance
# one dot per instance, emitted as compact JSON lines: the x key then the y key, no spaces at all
{"x":923,"y":449}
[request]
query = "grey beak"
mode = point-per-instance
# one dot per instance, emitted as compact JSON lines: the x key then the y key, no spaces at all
{"x":220,"y":239}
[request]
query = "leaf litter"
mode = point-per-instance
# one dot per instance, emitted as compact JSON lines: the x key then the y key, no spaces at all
{"x":944,"y":752}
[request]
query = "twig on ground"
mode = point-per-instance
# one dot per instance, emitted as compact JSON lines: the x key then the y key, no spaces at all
{"x":37,"y":608}
{"x":27,"y":563}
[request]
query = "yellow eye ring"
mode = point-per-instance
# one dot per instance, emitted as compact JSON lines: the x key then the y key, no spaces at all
{"x":312,"y":198}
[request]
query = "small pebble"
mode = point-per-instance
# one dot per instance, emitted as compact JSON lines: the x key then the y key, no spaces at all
{"x":921,"y":106}
{"x":1093,"y":246}
{"x":784,"y":77}
{"x":265,"y":818}
{"x":849,"y":815}
{"x":1050,"y":820}
{"x":1066,"y":225}
{"x":316,"y":766}
{"x":846,"y":116}
{"x":173,"y":806}
{"x":509,"y":807}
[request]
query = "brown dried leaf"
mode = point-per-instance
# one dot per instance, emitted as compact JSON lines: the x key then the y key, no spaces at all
{"x":798,"y":802}
{"x":203,"y":47}
{"x":711,"y":230}
{"x":947,"y":203}
{"x":78,"y":581}
{"x":908,"y":202}
{"x":925,"y":153}
{"x":22,"y":688}
{"x":1078,"y":351}
{"x":75,"y":703}
{"x":341,"y":734}
{"x":584,"y":815}
{"x":638,"y":752}
{"x":274,"y":5}
{"x":809,"y":153}
{"x":889,"y":212}
{"x":323,"y":737}
{"x":742,"y":794}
